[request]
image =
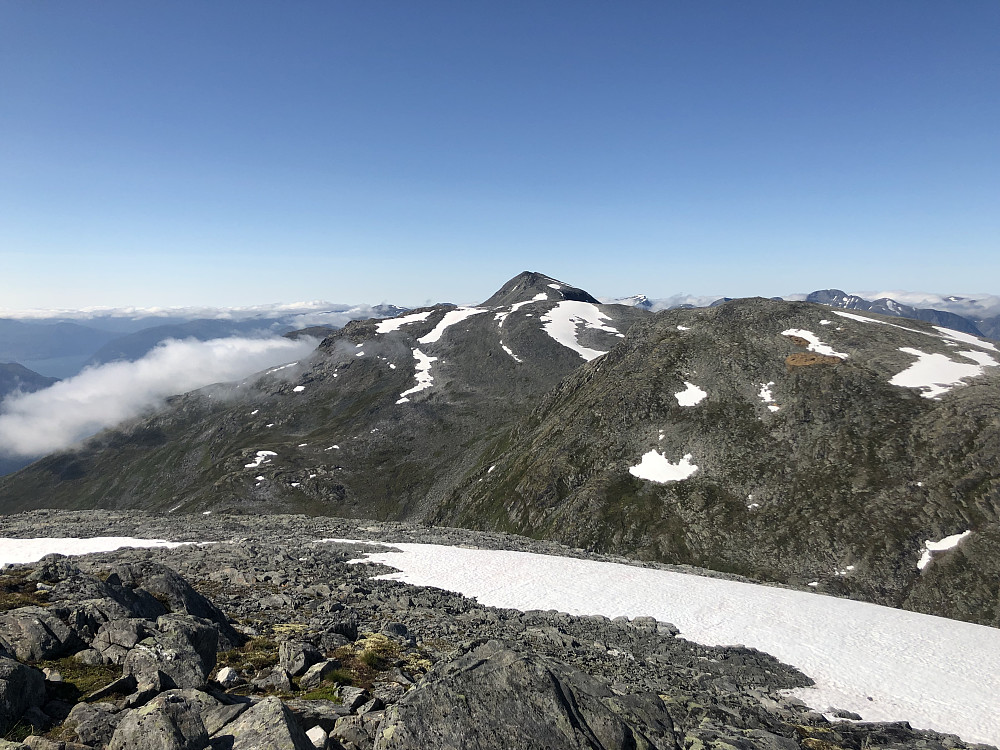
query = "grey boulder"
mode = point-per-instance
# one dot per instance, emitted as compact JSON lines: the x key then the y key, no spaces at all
{"x":168,"y":722}
{"x":493,"y":698}
{"x":21,"y":688}
{"x":269,"y":725}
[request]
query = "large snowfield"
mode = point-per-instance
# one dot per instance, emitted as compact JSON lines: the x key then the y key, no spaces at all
{"x":884,"y":664}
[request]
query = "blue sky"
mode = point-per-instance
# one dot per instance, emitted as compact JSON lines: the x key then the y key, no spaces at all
{"x":238,"y":152}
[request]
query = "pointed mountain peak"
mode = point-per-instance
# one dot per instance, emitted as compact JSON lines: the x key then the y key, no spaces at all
{"x":528,"y":285}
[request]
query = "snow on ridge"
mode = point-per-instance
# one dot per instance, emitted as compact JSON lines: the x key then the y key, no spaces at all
{"x":655,"y":467}
{"x":501,"y":317}
{"x":882,"y":663}
{"x":691,"y":395}
{"x":394,"y":324}
{"x":930,"y":547}
{"x":815,"y":345}
{"x":450,"y":318}
{"x":422,"y":373}
{"x":561,"y":323}
{"x":936,"y":374}
{"x":949,"y":334}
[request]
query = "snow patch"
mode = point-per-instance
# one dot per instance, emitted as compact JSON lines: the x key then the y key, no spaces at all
{"x":450,"y":318}
{"x":19,"y":551}
{"x":936,"y":374}
{"x":394,"y":324}
{"x":507,"y":349}
{"x":815,"y":345}
{"x":655,"y":467}
{"x":882,"y":663}
{"x":691,"y":395}
{"x":766,"y":396}
{"x":423,"y":375}
{"x":952,"y":337}
{"x":263,"y":457}
{"x":965,"y":338}
{"x":298,"y":388}
{"x":930,"y":547}
{"x":561,"y":324}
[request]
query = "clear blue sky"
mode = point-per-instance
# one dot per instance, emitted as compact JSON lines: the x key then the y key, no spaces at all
{"x":236,"y":152}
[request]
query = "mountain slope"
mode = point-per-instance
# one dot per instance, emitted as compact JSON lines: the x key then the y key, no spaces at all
{"x":765,"y":438}
{"x":382,"y":420}
{"x":781,"y":441}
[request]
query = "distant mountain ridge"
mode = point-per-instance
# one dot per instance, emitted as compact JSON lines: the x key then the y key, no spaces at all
{"x":975,"y":319}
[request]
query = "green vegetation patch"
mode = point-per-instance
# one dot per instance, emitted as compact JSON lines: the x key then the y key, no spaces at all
{"x":79,"y":680}
{"x":256,"y":654}
{"x":17,"y":591}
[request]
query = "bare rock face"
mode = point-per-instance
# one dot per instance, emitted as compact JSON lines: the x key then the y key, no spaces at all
{"x":269,"y":725}
{"x":35,"y":634}
{"x":168,"y":722}
{"x":21,"y":688}
{"x":494,"y":697}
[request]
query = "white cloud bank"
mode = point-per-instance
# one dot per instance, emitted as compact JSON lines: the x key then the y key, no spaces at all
{"x":57,"y":417}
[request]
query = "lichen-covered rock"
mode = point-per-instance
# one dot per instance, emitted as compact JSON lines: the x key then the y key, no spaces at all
{"x":202,"y":634}
{"x":180,"y":597}
{"x":269,"y":725}
{"x":172,"y":655}
{"x":21,"y":688}
{"x":34,"y":633}
{"x":295,"y":657}
{"x":168,"y":722}
{"x":116,"y":638}
{"x":497,"y":698}
{"x":94,"y":723}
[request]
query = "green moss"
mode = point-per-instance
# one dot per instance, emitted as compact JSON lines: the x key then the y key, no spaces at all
{"x":329,"y":690}
{"x":80,"y":679}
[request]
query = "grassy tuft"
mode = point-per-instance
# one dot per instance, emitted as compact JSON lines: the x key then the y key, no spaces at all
{"x":256,"y":654}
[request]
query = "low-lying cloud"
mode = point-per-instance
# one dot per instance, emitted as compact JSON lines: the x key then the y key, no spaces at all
{"x":37,"y":423}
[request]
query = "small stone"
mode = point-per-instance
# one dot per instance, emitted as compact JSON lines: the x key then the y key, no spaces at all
{"x":227,"y":677}
{"x":317,"y":736}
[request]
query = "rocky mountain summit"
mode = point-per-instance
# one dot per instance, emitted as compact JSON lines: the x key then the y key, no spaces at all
{"x":783,"y":441}
{"x":269,"y":637}
{"x":381,"y":421}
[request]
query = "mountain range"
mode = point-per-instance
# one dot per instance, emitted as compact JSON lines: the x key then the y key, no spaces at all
{"x":782,"y":441}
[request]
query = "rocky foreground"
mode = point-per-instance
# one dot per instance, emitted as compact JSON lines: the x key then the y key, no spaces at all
{"x":271,"y":639}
